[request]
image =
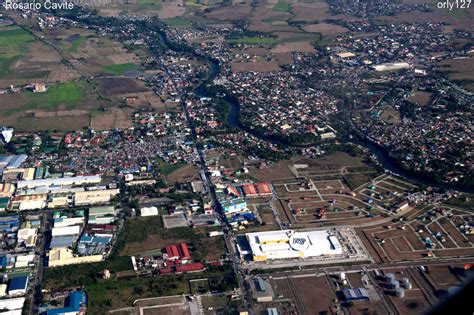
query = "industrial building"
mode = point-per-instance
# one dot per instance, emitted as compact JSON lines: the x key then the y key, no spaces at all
{"x":63,"y":181}
{"x":12,"y":306}
{"x":101,"y":215}
{"x":76,"y":303}
{"x":262,"y":290}
{"x":94,"y":197}
{"x":292,"y":244}
{"x":357,"y":294}
{"x":12,"y":161}
{"x":18,"y":285}
{"x":64,"y":256}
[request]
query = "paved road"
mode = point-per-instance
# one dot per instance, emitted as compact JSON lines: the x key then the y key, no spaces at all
{"x":39,"y":274}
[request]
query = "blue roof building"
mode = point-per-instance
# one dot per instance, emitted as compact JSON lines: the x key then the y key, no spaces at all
{"x":17,"y":285}
{"x":75,"y":303}
{"x":356,"y":294}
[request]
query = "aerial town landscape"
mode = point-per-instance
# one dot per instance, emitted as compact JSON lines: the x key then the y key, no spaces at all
{"x":236,"y":157}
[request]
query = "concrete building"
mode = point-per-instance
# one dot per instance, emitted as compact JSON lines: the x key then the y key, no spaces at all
{"x":149,"y":211}
{"x":291,"y":244}
{"x":234,"y":205}
{"x":12,"y":161}
{"x":27,"y":237}
{"x":101,"y":215}
{"x":92,"y":197}
{"x":64,"y":256}
{"x":12,"y":306}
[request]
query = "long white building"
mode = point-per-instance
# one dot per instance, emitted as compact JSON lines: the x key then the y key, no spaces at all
{"x":292,"y":244}
{"x":63,"y":181}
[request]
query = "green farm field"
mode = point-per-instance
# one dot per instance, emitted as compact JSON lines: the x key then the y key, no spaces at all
{"x":119,"y":69}
{"x":252,"y":40}
{"x":14,"y":44}
{"x":68,"y":94}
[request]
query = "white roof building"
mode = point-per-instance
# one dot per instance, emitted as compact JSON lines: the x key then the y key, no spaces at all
{"x":63,"y":181}
{"x":14,"y":305}
{"x":292,"y":244}
{"x":148,"y":211}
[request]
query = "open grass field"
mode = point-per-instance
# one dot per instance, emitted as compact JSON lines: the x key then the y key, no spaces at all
{"x":281,"y":6}
{"x":253,"y":40}
{"x":68,"y":94}
{"x":76,"y":42}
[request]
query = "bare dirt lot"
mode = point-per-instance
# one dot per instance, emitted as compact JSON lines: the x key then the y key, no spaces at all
{"x":325,"y":29}
{"x":171,"y":10}
{"x":233,"y":12}
{"x":116,"y":86}
{"x":257,"y":66}
{"x":421,"y":98}
{"x":186,"y":173}
{"x":460,"y":70}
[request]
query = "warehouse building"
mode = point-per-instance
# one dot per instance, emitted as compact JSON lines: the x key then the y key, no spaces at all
{"x":94,"y":197}
{"x":64,"y":256}
{"x":101,"y":215}
{"x":12,"y":161}
{"x":357,"y":294}
{"x":12,"y":306}
{"x":63,"y":181}
{"x":18,"y":285}
{"x":291,"y":244}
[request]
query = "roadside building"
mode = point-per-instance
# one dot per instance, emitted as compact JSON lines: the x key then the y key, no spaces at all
{"x":101,"y":215}
{"x":18,"y":285}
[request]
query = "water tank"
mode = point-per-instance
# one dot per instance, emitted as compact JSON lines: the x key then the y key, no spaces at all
{"x":407,"y":285}
{"x":342,"y":276}
{"x":399,"y":292}
{"x":394,"y":284}
{"x":390,"y":277}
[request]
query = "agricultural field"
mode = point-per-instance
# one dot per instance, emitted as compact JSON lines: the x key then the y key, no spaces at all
{"x":63,"y":60}
{"x":460,"y":71}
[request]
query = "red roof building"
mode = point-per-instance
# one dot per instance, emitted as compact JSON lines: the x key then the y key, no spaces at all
{"x":165,"y":271}
{"x":183,"y":252}
{"x":193,"y":267}
{"x":254,"y":190}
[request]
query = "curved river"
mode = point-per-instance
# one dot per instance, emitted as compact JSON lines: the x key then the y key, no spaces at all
{"x":380,"y":152}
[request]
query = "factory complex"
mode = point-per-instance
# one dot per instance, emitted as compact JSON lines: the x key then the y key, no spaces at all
{"x":291,"y":244}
